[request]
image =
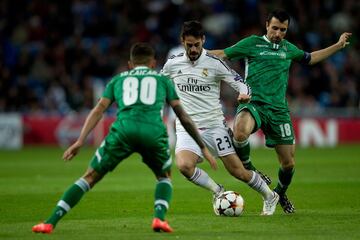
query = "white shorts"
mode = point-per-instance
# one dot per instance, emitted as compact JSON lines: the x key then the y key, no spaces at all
{"x":216,"y":139}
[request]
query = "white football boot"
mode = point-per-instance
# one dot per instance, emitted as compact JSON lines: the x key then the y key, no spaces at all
{"x":270,"y":205}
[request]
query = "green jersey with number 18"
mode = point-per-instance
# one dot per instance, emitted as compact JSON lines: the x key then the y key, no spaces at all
{"x":267,"y":67}
{"x":140,"y":94}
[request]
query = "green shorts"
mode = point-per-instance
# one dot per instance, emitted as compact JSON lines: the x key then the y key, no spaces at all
{"x":275,"y":123}
{"x":129,"y":136}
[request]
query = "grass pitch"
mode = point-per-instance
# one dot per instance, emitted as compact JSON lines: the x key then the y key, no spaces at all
{"x":325,"y":191}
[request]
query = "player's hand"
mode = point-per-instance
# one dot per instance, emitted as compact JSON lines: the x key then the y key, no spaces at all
{"x":243,"y":98}
{"x":72,"y":151}
{"x":344,"y":39}
{"x":209,"y":158}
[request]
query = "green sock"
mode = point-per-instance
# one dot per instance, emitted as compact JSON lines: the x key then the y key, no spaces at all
{"x":285,"y":177}
{"x":163,"y":194}
{"x":69,"y":199}
{"x":243,"y":151}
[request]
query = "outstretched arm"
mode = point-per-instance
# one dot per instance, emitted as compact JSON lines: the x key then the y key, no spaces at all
{"x":91,"y":121}
{"x":322,"y":54}
{"x":190,"y":127}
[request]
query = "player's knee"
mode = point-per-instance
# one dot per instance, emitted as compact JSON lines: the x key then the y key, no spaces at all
{"x":185,"y":167}
{"x":164,"y":175}
{"x":288,"y":165}
{"x":92,"y":177}
{"x":240,"y":135}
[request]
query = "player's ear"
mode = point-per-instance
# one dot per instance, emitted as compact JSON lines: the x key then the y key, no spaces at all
{"x":152,"y":63}
{"x":182,"y":41}
{"x":130,"y":65}
{"x":203,"y":39}
{"x":267,"y":25}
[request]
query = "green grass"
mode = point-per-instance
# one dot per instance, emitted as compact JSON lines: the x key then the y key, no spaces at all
{"x":325,"y":191}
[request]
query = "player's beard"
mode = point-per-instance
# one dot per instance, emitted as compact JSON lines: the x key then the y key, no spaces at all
{"x":277,"y":40}
{"x":193,"y":56}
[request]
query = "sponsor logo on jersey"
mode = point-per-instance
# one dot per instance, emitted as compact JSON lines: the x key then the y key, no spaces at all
{"x":193,"y":86}
{"x":280,"y":54}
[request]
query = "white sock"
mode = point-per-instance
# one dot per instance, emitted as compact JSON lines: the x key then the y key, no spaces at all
{"x":259,"y":185}
{"x":201,"y":178}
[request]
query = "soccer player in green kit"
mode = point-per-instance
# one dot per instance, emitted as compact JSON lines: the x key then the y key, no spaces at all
{"x":268,"y":59}
{"x":140,"y":94}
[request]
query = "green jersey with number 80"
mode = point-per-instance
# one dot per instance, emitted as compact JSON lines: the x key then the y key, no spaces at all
{"x":140,"y":94}
{"x":267,"y":67}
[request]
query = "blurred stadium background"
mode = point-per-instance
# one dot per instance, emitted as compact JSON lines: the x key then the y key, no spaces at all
{"x":56,"y":56}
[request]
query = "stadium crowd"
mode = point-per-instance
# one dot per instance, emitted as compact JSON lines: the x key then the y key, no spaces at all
{"x":52,"y":52}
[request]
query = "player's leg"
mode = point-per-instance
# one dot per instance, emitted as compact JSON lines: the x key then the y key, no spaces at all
{"x":186,"y":162}
{"x":243,"y":127}
{"x":69,"y":199}
{"x":154,"y":148}
{"x":163,"y":195}
{"x":109,"y":154}
{"x":188,"y":154}
{"x":286,"y":158}
{"x":246,"y":122}
{"x":279,"y":133}
{"x":221,"y":144}
{"x":235,"y":167}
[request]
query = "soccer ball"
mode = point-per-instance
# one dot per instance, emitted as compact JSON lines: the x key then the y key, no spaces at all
{"x":229,"y":204}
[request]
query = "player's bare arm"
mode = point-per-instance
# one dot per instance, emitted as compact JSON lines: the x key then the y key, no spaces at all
{"x":243,"y":98}
{"x":91,"y":121}
{"x":322,"y":54}
{"x":190,"y":127}
{"x":219,"y":53}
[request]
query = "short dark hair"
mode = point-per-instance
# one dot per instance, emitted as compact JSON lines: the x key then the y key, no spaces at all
{"x":192,"y":28}
{"x":280,"y":14}
{"x":141,"y":53}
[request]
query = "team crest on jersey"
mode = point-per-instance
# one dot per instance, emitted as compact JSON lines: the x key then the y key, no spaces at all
{"x":205,"y":72}
{"x":179,"y":72}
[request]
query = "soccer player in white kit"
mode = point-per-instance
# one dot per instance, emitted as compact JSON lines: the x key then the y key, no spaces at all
{"x":197,"y":76}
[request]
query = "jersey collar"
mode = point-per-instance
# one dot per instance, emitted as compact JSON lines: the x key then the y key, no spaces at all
{"x":141,"y":67}
{"x":273,"y":45}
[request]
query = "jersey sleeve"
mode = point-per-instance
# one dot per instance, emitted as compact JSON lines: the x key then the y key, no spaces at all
{"x":298,"y":54}
{"x":165,"y":70}
{"x":109,"y":90}
{"x":231,"y":77}
{"x":170,"y":90}
{"x":240,"y":49}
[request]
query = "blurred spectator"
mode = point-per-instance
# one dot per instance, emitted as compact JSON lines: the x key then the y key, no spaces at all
{"x":52,"y":52}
